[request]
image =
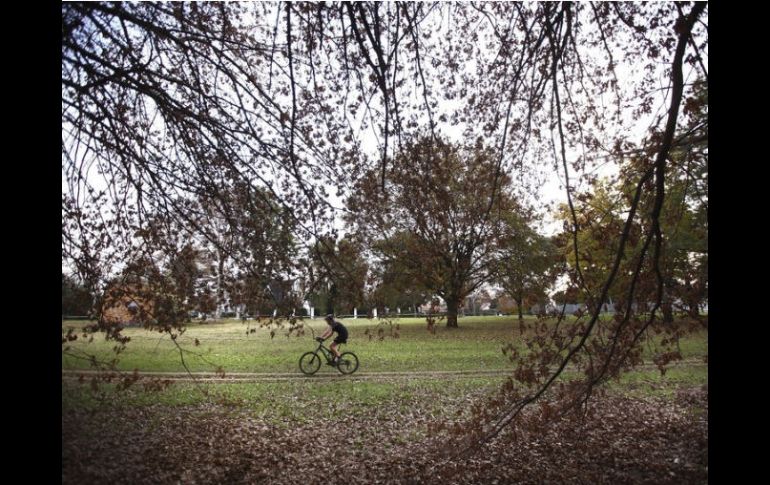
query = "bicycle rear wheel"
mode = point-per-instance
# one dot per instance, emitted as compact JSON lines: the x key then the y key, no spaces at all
{"x":309,"y":363}
{"x":348,"y":363}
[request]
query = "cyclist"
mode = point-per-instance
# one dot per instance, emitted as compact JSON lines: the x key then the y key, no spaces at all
{"x":342,"y":335}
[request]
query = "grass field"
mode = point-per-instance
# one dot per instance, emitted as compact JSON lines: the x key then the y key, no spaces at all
{"x":475,"y":345}
{"x":268,"y":431}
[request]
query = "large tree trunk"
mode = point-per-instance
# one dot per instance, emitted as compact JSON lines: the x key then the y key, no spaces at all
{"x":519,"y":301}
{"x":451,"y":312}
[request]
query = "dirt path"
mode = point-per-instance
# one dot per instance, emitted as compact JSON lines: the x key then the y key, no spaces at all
{"x":321,"y":375}
{"x":327,"y":374}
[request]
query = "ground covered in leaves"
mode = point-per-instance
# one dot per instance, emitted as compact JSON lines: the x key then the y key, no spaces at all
{"x":622,"y":439}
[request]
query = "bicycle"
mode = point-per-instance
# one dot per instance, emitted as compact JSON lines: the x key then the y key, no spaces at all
{"x":310,"y":362}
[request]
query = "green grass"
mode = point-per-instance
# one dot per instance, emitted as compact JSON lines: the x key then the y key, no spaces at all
{"x":228,"y":345}
{"x":653,"y":383}
{"x":303,"y":400}
{"x":476,"y":345}
{"x":296,"y":401}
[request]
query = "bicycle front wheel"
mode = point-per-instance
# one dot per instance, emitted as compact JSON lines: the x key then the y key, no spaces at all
{"x":309,"y":363}
{"x":348,"y":363}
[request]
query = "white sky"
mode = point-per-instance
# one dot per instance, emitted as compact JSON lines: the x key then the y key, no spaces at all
{"x":551,"y":190}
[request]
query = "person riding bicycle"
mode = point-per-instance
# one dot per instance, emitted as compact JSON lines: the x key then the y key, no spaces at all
{"x":342,"y":335}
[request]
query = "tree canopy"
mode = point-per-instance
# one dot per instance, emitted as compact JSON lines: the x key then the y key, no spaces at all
{"x":298,"y":106}
{"x":443,"y":214}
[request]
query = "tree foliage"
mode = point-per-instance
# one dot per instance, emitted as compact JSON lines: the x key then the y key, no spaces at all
{"x":441,"y":218}
{"x":75,"y":298}
{"x":393,"y":284}
{"x":528,"y":265}
{"x":295,"y":104}
{"x":338,"y":277}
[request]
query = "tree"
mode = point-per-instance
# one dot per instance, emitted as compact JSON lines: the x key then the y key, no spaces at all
{"x":392,"y":283}
{"x":683,"y":225}
{"x":476,"y":301}
{"x":75,"y":298}
{"x":185,"y":273}
{"x":251,"y":240}
{"x":443,"y":216}
{"x":162,"y":102}
{"x":600,"y":218}
{"x":528,"y":265}
{"x":684,"y":212}
{"x":338,"y":275}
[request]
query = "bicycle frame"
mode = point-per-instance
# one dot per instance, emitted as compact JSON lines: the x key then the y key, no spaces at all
{"x":327,"y":352}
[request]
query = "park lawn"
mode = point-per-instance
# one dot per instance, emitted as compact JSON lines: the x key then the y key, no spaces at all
{"x":242,"y":429}
{"x":281,"y":403}
{"x":294,"y":401}
{"x":476,"y":345}
{"x":406,"y":346}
